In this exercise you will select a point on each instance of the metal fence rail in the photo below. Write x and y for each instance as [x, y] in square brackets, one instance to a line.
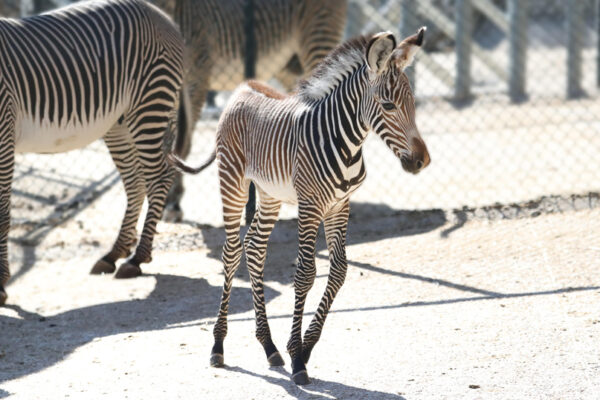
[507, 96]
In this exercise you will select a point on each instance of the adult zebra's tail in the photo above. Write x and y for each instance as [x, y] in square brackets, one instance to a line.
[181, 166]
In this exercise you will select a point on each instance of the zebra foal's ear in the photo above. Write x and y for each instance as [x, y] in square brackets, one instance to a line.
[379, 50]
[404, 54]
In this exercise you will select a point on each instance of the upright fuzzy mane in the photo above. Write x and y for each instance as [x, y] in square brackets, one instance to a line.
[329, 72]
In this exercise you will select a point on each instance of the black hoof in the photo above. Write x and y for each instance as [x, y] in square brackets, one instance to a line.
[3, 296]
[275, 360]
[301, 378]
[217, 360]
[103, 267]
[128, 270]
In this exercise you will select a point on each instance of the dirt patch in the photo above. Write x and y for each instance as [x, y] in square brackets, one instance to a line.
[490, 308]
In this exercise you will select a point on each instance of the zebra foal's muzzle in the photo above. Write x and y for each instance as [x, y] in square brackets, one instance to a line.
[418, 159]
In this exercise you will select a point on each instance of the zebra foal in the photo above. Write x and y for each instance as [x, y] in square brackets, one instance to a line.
[306, 149]
[106, 68]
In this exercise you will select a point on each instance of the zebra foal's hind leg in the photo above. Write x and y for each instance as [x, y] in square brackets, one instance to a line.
[7, 166]
[255, 245]
[124, 154]
[234, 194]
[336, 224]
[7, 163]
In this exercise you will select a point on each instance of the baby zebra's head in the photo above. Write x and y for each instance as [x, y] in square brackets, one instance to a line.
[389, 109]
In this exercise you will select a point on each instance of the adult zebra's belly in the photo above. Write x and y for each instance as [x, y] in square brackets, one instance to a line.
[44, 137]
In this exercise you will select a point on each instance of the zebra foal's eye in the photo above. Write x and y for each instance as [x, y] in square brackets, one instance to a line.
[388, 106]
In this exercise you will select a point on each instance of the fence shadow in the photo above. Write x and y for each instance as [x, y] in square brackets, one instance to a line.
[62, 213]
[49, 340]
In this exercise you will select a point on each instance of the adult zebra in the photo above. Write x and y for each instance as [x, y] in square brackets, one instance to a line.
[292, 36]
[306, 149]
[107, 68]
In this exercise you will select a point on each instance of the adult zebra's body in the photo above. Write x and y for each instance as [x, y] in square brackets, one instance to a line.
[110, 68]
[306, 149]
[292, 37]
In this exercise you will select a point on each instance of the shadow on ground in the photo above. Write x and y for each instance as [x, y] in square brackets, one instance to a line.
[47, 340]
[390, 224]
[318, 389]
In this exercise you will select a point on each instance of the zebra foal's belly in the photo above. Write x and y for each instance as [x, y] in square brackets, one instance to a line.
[282, 191]
[34, 136]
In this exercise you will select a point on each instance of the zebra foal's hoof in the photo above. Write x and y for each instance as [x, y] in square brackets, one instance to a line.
[275, 360]
[217, 360]
[103, 267]
[301, 378]
[128, 270]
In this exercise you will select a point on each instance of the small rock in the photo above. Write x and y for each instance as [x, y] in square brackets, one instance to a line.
[474, 386]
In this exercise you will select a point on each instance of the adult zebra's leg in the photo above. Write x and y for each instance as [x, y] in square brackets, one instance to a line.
[148, 135]
[234, 194]
[336, 224]
[192, 100]
[308, 226]
[7, 163]
[255, 245]
[123, 152]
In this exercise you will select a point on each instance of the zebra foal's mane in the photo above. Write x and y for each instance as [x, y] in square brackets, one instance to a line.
[345, 58]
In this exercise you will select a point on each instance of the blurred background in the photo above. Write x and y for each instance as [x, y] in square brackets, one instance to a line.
[507, 101]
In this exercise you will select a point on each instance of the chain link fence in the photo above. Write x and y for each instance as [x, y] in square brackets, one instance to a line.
[507, 101]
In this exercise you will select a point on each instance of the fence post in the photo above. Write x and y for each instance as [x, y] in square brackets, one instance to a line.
[407, 28]
[517, 15]
[574, 47]
[464, 18]
[249, 73]
[598, 42]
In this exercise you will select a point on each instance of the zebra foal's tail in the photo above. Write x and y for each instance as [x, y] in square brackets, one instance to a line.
[181, 166]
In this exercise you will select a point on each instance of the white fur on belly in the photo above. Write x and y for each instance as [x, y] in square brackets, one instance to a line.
[42, 137]
[282, 191]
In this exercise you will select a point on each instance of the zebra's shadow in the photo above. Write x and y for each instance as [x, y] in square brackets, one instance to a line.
[318, 389]
[383, 223]
[32, 342]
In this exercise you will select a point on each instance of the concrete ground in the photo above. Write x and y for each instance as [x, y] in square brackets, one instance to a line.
[432, 308]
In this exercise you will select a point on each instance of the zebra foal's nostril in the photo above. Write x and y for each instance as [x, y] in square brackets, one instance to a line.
[419, 164]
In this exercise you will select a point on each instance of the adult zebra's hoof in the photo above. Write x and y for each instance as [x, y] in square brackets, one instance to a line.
[128, 270]
[275, 360]
[301, 378]
[217, 360]
[103, 267]
[3, 296]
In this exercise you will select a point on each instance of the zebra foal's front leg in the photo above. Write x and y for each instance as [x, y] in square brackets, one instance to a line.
[255, 245]
[308, 226]
[335, 232]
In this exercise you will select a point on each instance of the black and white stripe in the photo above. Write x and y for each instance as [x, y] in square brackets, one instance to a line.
[111, 69]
